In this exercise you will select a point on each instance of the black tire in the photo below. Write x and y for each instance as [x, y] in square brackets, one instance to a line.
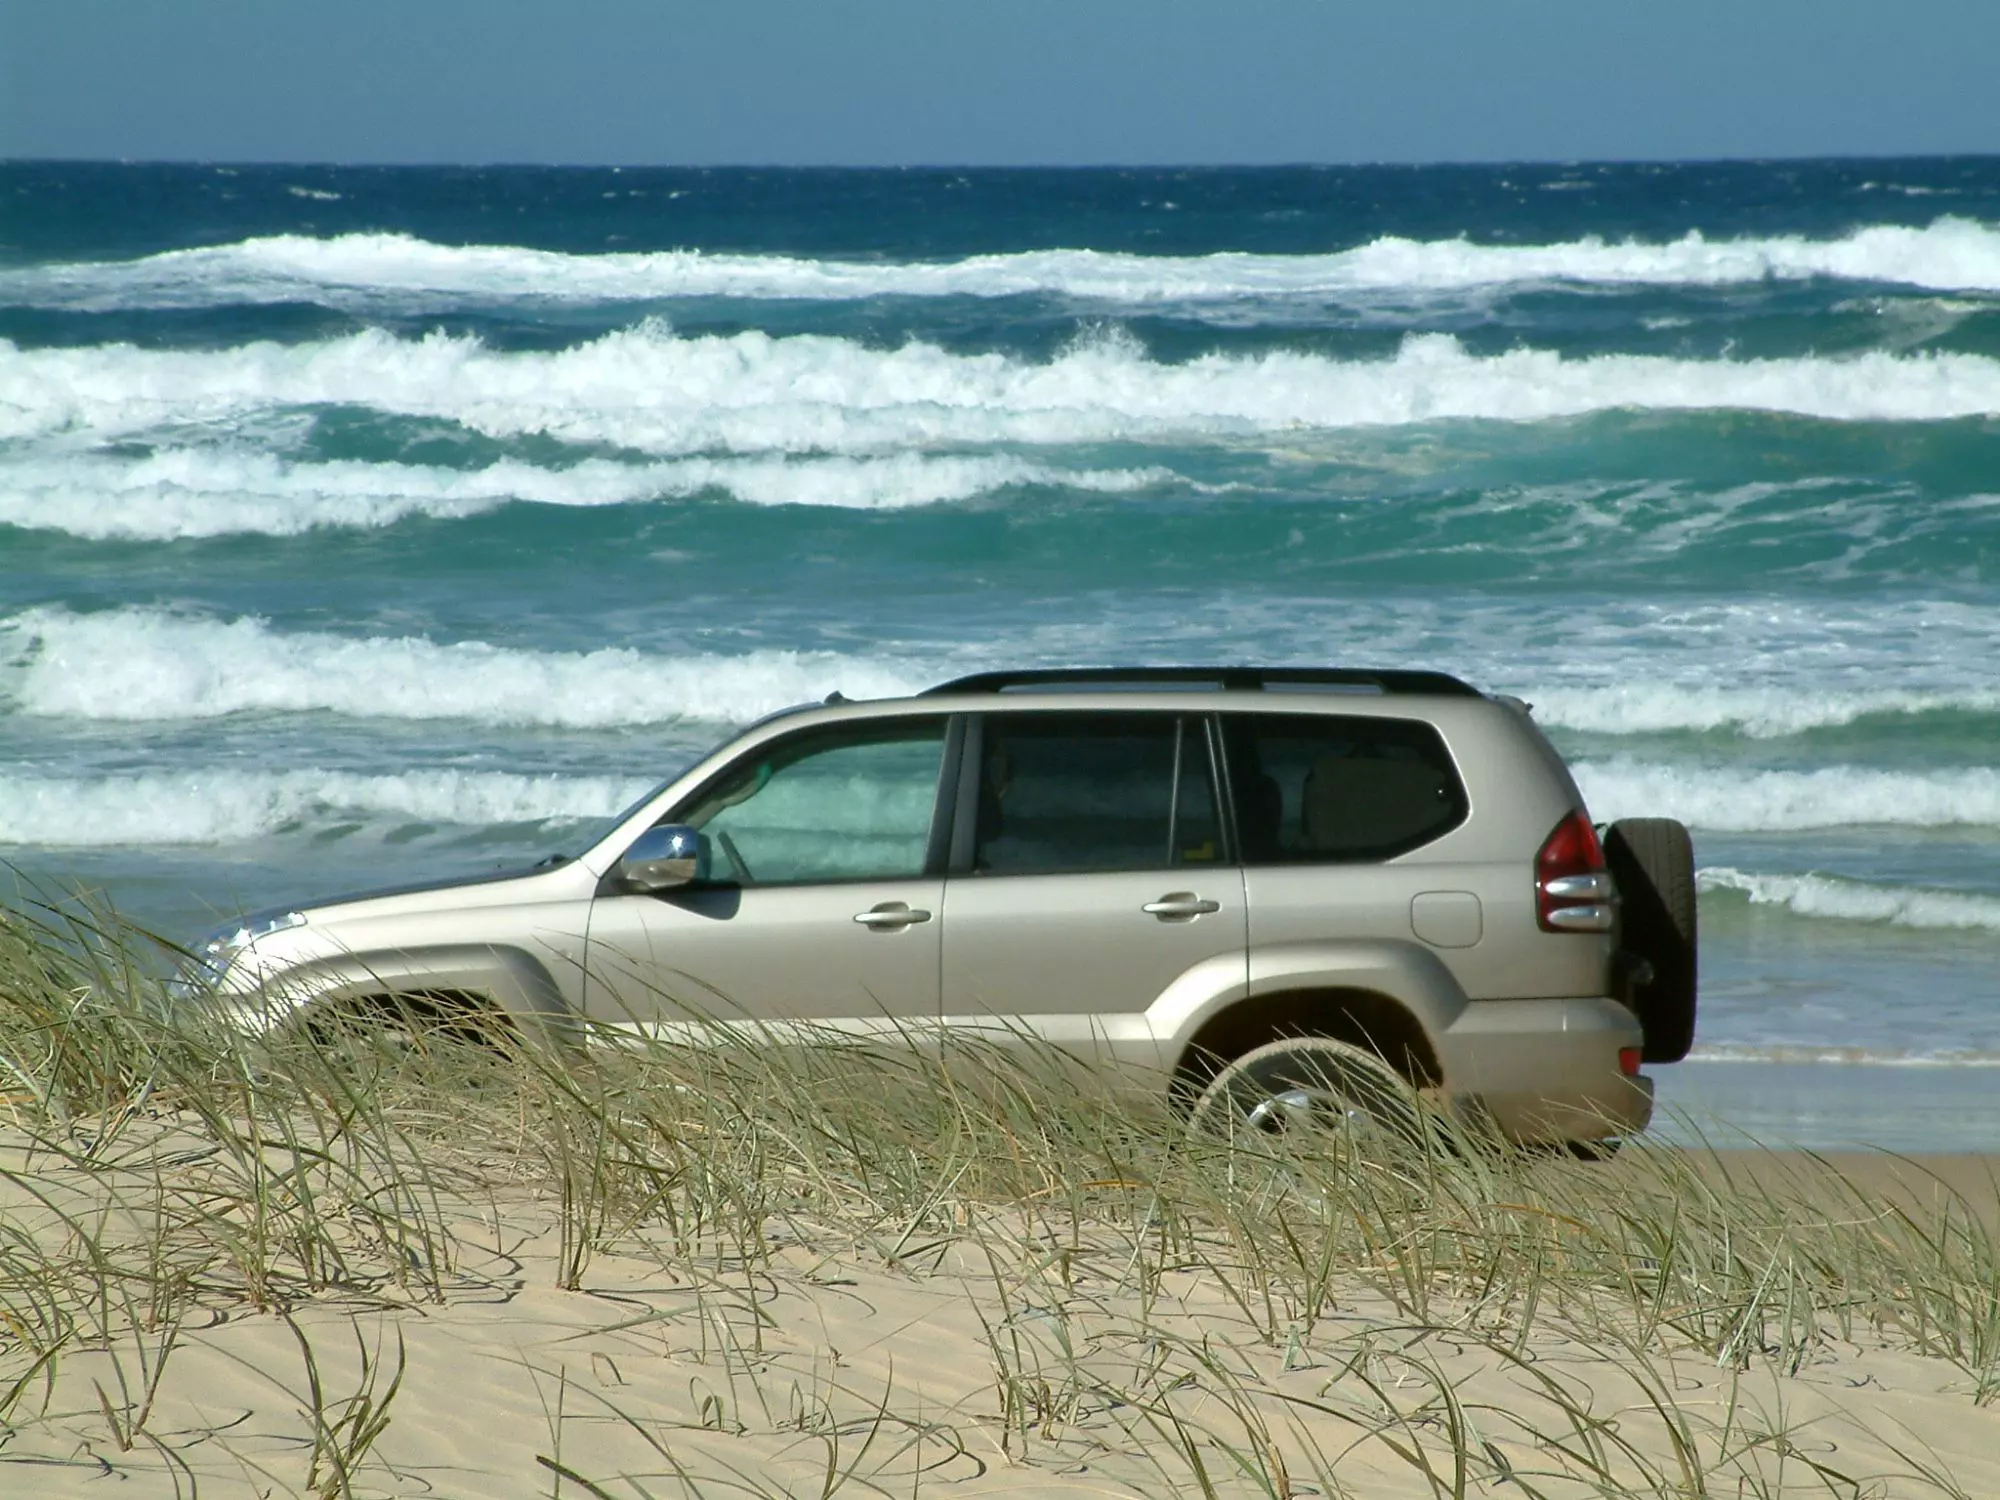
[1652, 862]
[1307, 1082]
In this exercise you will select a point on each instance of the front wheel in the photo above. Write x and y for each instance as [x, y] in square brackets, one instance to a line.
[1306, 1084]
[415, 1023]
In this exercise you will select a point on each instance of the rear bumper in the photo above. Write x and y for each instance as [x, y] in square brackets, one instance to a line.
[1546, 1070]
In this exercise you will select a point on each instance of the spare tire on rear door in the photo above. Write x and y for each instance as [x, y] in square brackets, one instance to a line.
[1652, 862]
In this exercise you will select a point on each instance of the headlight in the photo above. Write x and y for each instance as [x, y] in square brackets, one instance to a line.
[209, 960]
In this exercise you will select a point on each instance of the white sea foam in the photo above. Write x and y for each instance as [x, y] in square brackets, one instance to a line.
[137, 664]
[1829, 897]
[152, 663]
[374, 271]
[1766, 801]
[1761, 711]
[222, 806]
[1761, 666]
[646, 388]
[193, 492]
[1860, 1056]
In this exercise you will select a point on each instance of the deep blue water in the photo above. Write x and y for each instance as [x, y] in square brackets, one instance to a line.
[367, 523]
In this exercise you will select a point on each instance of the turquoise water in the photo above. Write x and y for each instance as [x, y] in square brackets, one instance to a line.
[363, 524]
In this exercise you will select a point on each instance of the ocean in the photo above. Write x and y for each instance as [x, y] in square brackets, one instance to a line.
[360, 525]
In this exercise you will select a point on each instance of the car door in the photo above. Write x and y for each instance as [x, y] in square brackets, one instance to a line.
[821, 898]
[1089, 874]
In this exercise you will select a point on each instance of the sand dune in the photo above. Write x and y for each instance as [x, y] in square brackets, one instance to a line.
[1007, 1350]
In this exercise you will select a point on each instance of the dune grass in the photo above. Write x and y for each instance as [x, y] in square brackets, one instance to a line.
[1176, 1315]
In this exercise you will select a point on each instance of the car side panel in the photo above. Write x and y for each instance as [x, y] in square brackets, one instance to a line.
[1019, 945]
[783, 953]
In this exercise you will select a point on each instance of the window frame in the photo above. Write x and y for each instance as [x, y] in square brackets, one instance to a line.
[972, 753]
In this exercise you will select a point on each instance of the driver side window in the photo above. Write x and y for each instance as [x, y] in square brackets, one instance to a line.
[853, 803]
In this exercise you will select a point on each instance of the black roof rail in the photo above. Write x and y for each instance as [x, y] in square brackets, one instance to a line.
[1390, 680]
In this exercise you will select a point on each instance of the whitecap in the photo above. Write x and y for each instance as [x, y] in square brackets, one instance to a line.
[225, 805]
[400, 271]
[1860, 1055]
[646, 389]
[1759, 710]
[1773, 801]
[1835, 899]
[141, 664]
[230, 488]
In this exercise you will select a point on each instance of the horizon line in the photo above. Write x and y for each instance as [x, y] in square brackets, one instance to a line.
[1378, 164]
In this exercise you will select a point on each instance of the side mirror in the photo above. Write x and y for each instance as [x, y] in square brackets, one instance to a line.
[663, 858]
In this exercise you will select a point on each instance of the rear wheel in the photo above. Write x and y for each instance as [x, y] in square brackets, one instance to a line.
[1652, 862]
[1304, 1084]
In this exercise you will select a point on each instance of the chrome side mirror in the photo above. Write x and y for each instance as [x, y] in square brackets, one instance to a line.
[664, 858]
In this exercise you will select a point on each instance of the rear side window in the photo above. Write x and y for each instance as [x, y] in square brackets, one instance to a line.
[1316, 789]
[1062, 793]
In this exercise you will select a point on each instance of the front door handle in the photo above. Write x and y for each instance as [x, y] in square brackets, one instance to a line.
[891, 916]
[1180, 906]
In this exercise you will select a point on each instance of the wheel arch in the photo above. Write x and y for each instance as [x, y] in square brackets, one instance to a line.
[1366, 1018]
[506, 980]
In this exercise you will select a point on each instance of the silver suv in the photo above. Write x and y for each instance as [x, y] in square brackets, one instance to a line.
[1259, 884]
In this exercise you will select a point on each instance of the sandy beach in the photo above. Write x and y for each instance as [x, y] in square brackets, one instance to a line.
[1088, 1339]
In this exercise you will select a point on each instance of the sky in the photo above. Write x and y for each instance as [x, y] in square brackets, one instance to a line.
[1048, 82]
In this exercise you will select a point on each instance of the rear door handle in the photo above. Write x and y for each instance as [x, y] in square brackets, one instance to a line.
[891, 915]
[1180, 906]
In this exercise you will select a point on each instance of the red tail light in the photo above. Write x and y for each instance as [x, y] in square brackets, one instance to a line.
[1573, 892]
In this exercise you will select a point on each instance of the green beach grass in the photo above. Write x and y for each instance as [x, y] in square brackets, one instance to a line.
[359, 1264]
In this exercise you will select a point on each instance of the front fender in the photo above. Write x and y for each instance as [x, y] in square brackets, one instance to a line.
[509, 978]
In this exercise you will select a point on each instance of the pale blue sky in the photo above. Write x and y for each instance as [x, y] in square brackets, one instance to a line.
[1012, 81]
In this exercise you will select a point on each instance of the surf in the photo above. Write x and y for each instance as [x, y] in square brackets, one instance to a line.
[648, 389]
[134, 665]
[402, 271]
[181, 493]
[1833, 898]
[220, 805]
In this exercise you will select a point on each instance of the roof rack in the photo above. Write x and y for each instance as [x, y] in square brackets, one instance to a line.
[1252, 678]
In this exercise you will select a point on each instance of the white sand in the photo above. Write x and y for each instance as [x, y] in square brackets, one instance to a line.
[1016, 1357]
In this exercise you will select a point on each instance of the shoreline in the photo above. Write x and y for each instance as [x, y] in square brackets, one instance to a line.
[1925, 1111]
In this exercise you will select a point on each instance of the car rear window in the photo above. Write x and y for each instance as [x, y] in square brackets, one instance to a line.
[1326, 789]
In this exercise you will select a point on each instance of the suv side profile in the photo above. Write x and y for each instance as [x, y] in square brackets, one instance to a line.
[1258, 884]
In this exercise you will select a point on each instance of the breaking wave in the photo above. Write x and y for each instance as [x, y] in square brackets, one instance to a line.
[376, 271]
[647, 389]
[138, 664]
[227, 806]
[1830, 897]
[1760, 712]
[199, 492]
[1760, 801]
[1862, 1056]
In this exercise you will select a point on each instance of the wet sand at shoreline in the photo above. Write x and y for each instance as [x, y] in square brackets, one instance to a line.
[1849, 1108]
